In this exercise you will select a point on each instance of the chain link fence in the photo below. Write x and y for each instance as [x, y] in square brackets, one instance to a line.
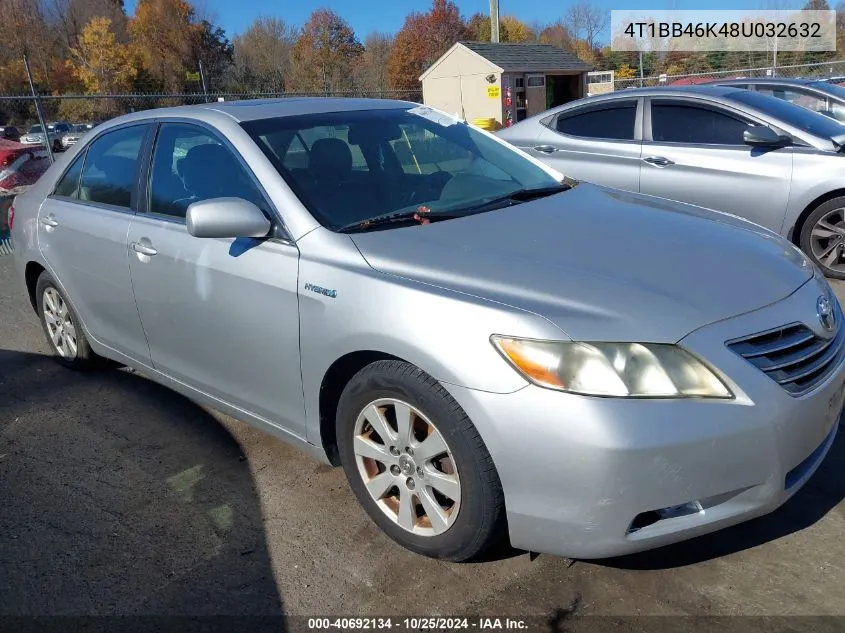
[824, 70]
[19, 110]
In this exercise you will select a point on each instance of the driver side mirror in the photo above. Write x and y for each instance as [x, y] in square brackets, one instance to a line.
[764, 136]
[226, 217]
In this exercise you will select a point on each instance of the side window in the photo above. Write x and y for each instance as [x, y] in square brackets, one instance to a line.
[608, 122]
[68, 186]
[190, 164]
[111, 167]
[673, 122]
[798, 97]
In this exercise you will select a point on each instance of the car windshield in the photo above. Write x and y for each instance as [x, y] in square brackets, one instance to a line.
[35, 129]
[349, 167]
[80, 128]
[800, 118]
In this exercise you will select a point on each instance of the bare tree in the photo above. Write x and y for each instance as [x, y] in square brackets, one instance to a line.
[262, 54]
[586, 21]
[68, 17]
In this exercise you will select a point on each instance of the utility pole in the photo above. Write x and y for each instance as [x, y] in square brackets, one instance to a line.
[494, 20]
[47, 143]
[202, 78]
[641, 69]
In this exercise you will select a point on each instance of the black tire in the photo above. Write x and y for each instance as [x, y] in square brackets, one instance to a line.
[84, 357]
[57, 146]
[806, 234]
[480, 521]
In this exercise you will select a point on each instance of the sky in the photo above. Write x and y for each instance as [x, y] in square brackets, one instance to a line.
[366, 16]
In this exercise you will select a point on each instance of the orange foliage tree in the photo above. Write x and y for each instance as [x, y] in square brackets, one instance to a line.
[165, 35]
[422, 39]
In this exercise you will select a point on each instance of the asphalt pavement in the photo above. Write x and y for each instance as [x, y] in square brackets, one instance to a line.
[120, 497]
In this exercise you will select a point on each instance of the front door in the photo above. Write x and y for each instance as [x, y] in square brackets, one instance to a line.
[695, 153]
[221, 315]
[82, 230]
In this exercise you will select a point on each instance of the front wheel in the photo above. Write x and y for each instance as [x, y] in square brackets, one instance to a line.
[417, 464]
[823, 237]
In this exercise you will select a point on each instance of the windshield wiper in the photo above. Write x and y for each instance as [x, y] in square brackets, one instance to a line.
[520, 195]
[423, 216]
[396, 217]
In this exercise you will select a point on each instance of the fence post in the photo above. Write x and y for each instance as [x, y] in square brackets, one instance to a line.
[47, 143]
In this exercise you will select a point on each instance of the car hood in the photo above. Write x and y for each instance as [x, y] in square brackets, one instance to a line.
[599, 263]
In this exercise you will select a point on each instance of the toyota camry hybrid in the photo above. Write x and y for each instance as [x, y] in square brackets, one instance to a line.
[487, 351]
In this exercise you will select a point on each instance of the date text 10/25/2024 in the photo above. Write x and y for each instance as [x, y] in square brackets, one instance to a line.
[419, 624]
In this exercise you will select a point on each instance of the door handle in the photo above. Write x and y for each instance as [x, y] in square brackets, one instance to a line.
[658, 161]
[546, 149]
[143, 249]
[48, 221]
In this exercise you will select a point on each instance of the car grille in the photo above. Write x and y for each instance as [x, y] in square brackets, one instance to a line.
[793, 355]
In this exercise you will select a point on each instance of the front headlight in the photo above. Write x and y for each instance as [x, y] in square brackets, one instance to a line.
[628, 370]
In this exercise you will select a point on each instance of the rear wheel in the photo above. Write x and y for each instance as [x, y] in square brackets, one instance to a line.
[61, 326]
[417, 464]
[823, 237]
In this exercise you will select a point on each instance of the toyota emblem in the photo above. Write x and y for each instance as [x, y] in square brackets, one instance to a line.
[824, 309]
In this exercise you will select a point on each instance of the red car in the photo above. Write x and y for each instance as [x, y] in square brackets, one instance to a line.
[20, 165]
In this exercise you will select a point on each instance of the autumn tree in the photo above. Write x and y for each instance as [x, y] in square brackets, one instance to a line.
[515, 30]
[409, 56]
[325, 54]
[511, 29]
[262, 54]
[422, 40]
[559, 35]
[372, 73]
[165, 36]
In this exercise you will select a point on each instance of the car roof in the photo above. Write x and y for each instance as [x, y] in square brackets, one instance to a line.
[669, 90]
[255, 109]
[770, 80]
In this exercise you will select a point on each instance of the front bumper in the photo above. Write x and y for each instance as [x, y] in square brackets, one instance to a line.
[585, 477]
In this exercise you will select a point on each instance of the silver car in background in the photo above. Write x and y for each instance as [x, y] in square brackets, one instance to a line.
[397, 292]
[819, 95]
[733, 150]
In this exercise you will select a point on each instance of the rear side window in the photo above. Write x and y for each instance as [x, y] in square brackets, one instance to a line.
[673, 122]
[68, 186]
[614, 122]
[111, 167]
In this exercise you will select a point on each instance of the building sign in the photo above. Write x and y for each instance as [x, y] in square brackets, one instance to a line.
[494, 92]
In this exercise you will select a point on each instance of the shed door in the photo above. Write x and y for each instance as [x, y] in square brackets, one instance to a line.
[535, 94]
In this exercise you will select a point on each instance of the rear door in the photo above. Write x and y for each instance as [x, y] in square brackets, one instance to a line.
[693, 151]
[82, 229]
[597, 143]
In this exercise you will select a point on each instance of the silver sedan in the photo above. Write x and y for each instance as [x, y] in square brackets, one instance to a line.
[724, 148]
[397, 292]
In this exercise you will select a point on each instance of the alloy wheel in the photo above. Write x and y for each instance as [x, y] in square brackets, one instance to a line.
[407, 467]
[60, 326]
[827, 240]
